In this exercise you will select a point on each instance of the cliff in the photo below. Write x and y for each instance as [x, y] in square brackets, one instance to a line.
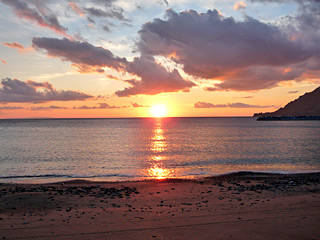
[306, 105]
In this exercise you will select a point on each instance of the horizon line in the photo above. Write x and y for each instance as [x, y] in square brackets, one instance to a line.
[66, 118]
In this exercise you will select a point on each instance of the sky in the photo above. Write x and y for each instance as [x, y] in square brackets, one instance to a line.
[119, 58]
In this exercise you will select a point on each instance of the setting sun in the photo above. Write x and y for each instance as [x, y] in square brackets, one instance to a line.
[158, 111]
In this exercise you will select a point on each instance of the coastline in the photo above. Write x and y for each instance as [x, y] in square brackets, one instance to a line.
[243, 205]
[52, 179]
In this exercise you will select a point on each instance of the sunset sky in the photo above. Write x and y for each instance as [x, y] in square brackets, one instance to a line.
[118, 58]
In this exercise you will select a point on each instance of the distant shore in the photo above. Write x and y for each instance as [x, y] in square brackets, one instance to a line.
[243, 205]
[287, 118]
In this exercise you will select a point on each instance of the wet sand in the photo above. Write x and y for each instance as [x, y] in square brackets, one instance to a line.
[235, 206]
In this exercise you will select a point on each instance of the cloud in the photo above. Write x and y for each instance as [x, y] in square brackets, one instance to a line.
[14, 90]
[89, 58]
[98, 9]
[83, 54]
[106, 28]
[42, 18]
[3, 61]
[104, 9]
[255, 78]
[52, 107]
[201, 41]
[242, 55]
[155, 79]
[136, 105]
[101, 106]
[115, 12]
[239, 5]
[10, 108]
[14, 45]
[246, 55]
[113, 77]
[292, 92]
[90, 20]
[163, 2]
[76, 9]
[228, 105]
[245, 97]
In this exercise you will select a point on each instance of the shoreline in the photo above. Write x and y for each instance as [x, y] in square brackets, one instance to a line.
[53, 179]
[243, 205]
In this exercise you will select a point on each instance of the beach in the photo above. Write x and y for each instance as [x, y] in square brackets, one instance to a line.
[242, 205]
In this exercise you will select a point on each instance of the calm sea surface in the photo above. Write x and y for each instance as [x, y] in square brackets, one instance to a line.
[126, 149]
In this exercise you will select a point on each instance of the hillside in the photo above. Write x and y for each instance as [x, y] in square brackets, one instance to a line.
[306, 105]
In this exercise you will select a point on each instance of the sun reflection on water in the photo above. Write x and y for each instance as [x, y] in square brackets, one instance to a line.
[158, 158]
[158, 146]
[158, 172]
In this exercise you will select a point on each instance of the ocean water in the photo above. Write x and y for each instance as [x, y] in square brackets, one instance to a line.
[47, 150]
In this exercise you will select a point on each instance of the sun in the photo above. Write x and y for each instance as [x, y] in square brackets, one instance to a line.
[158, 111]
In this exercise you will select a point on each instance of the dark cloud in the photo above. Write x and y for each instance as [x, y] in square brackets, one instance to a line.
[14, 90]
[292, 92]
[136, 105]
[228, 105]
[42, 18]
[106, 28]
[83, 54]
[101, 106]
[243, 55]
[213, 40]
[98, 9]
[10, 108]
[90, 20]
[52, 107]
[105, 9]
[306, 25]
[255, 78]
[114, 12]
[152, 78]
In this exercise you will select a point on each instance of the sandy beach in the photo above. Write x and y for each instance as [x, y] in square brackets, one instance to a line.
[235, 206]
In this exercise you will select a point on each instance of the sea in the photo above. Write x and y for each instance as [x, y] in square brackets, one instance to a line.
[53, 150]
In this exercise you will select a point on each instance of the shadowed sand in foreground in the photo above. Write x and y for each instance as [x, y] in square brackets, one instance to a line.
[236, 206]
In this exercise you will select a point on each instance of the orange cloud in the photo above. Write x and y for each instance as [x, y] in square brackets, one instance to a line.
[16, 45]
[75, 8]
[3, 61]
[84, 68]
[112, 77]
[239, 5]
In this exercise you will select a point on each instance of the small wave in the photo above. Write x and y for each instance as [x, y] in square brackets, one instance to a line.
[69, 176]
